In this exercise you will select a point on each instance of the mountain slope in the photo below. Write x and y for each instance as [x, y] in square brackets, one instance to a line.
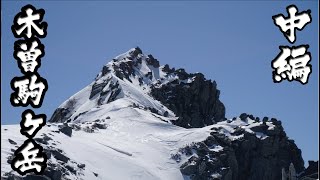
[140, 79]
[140, 120]
[134, 145]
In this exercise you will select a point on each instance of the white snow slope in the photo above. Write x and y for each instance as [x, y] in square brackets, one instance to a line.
[135, 145]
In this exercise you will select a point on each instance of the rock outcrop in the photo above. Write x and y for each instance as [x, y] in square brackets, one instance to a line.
[196, 103]
[243, 155]
[311, 172]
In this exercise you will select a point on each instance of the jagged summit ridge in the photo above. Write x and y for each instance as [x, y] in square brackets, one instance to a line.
[189, 99]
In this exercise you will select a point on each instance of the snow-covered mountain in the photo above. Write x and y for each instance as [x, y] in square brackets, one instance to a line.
[140, 120]
[139, 80]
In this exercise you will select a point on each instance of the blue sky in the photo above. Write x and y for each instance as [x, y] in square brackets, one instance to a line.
[230, 42]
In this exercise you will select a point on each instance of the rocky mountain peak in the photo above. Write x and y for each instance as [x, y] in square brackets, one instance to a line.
[132, 119]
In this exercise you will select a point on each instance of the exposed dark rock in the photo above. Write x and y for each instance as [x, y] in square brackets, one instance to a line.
[41, 140]
[140, 81]
[153, 110]
[261, 128]
[12, 142]
[136, 52]
[71, 169]
[265, 119]
[9, 176]
[222, 139]
[189, 169]
[81, 166]
[65, 129]
[257, 119]
[47, 152]
[149, 75]
[183, 75]
[99, 126]
[210, 141]
[80, 114]
[105, 70]
[243, 116]
[251, 117]
[97, 88]
[55, 171]
[187, 150]
[238, 131]
[56, 175]
[247, 158]
[166, 114]
[312, 171]
[9, 159]
[196, 106]
[176, 157]
[167, 69]
[64, 166]
[114, 95]
[60, 115]
[59, 156]
[152, 61]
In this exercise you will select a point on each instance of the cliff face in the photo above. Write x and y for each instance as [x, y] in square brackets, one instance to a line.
[196, 104]
[243, 155]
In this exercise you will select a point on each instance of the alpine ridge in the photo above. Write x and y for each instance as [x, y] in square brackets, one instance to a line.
[141, 80]
[141, 120]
